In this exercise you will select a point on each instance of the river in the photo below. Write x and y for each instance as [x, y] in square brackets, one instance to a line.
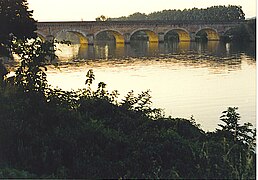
[185, 79]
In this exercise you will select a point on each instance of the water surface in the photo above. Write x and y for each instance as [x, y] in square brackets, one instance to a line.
[185, 79]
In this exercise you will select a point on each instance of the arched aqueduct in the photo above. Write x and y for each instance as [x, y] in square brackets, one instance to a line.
[122, 31]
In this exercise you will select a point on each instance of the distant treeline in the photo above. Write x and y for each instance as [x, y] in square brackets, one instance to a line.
[214, 13]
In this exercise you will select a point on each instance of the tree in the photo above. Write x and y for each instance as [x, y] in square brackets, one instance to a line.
[16, 22]
[30, 76]
[101, 18]
[137, 16]
[243, 133]
[239, 144]
[231, 119]
[213, 13]
[3, 73]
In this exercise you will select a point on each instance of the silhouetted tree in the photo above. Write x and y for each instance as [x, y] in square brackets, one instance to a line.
[16, 21]
[101, 18]
[3, 73]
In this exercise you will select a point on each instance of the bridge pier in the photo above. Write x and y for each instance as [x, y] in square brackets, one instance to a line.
[161, 37]
[192, 36]
[50, 38]
[90, 38]
[127, 38]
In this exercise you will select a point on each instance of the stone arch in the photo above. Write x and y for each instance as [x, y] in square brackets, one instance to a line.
[183, 34]
[212, 34]
[153, 37]
[228, 31]
[81, 35]
[117, 35]
[228, 34]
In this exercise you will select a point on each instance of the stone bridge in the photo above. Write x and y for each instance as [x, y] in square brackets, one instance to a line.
[156, 31]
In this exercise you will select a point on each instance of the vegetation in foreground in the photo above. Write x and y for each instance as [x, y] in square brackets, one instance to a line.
[50, 133]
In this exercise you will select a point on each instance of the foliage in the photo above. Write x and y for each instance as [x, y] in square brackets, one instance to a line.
[14, 173]
[210, 14]
[244, 32]
[16, 22]
[235, 144]
[101, 18]
[243, 133]
[34, 54]
[138, 16]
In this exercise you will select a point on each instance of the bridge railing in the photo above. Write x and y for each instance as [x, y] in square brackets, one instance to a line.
[146, 22]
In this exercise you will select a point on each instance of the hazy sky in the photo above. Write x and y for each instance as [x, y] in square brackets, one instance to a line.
[59, 10]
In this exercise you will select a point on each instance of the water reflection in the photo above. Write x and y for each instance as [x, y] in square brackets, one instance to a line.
[185, 78]
[182, 87]
[111, 50]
